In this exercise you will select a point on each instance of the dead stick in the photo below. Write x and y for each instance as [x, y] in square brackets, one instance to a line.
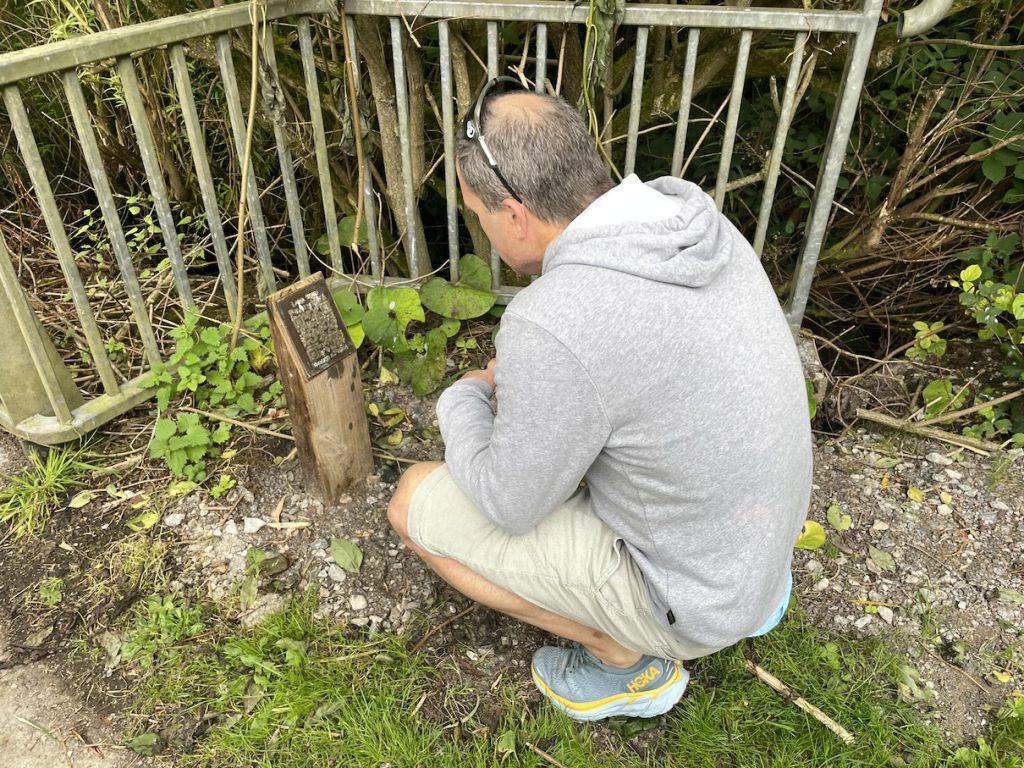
[242, 424]
[982, 447]
[423, 640]
[777, 685]
[546, 756]
[968, 411]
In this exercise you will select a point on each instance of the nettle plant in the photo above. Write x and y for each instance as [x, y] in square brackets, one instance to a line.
[991, 294]
[395, 320]
[204, 369]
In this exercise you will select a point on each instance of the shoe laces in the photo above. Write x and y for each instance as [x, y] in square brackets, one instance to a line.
[575, 658]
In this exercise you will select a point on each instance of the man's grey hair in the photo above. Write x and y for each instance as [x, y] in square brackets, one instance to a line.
[545, 152]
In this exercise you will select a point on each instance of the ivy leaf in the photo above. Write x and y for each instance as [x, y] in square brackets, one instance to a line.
[812, 536]
[838, 519]
[346, 554]
[881, 558]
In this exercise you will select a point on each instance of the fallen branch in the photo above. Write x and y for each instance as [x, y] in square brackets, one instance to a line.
[973, 409]
[235, 422]
[777, 685]
[423, 640]
[981, 447]
[546, 756]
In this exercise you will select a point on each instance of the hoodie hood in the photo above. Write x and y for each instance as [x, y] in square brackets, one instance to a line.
[689, 247]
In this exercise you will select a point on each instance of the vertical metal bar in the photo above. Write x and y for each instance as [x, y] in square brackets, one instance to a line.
[274, 97]
[636, 100]
[369, 203]
[101, 185]
[59, 236]
[402, 105]
[197, 142]
[685, 97]
[448, 130]
[237, 123]
[492, 71]
[828, 176]
[316, 117]
[781, 131]
[735, 102]
[542, 58]
[26, 323]
[155, 176]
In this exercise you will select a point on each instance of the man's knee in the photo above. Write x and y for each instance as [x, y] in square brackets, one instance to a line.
[398, 508]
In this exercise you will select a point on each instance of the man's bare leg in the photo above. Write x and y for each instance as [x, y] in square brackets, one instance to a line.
[476, 587]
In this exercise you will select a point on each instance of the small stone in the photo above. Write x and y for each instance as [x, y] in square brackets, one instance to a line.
[1000, 506]
[952, 473]
[360, 621]
[863, 621]
[230, 528]
[944, 509]
[938, 458]
[885, 613]
[880, 525]
[357, 602]
[812, 566]
[334, 573]
[821, 585]
[252, 524]
[174, 519]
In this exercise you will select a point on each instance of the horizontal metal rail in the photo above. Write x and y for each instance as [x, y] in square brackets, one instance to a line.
[115, 43]
[716, 17]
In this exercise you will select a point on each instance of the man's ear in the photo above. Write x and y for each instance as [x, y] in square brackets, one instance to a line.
[518, 216]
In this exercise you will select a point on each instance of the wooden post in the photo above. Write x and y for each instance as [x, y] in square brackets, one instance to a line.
[318, 367]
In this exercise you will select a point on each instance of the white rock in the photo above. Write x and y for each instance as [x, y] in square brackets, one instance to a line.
[885, 613]
[954, 474]
[944, 509]
[174, 519]
[812, 566]
[940, 459]
[357, 602]
[863, 621]
[820, 585]
[334, 573]
[880, 525]
[1000, 505]
[252, 524]
[360, 621]
[230, 528]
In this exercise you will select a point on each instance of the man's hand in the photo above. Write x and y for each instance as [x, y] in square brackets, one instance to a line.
[486, 374]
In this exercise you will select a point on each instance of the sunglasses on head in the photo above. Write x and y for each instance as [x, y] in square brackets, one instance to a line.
[473, 130]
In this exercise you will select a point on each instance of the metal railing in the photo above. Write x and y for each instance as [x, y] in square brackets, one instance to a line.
[39, 400]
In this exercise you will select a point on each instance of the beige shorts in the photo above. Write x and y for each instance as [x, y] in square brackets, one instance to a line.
[572, 564]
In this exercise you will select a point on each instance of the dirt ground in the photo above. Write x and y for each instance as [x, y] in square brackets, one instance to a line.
[925, 548]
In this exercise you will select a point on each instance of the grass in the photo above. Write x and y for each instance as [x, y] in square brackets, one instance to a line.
[297, 692]
[29, 497]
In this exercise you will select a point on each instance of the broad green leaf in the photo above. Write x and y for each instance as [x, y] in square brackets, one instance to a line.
[450, 326]
[383, 330]
[143, 522]
[348, 305]
[356, 334]
[837, 518]
[1011, 596]
[458, 301]
[146, 744]
[887, 462]
[81, 499]
[945, 497]
[210, 336]
[915, 494]
[180, 488]
[474, 272]
[993, 169]
[401, 303]
[812, 536]
[347, 230]
[881, 558]
[346, 554]
[971, 273]
[394, 438]
[164, 429]
[1017, 308]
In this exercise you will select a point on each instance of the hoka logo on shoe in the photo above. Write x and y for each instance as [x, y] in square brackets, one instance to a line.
[641, 681]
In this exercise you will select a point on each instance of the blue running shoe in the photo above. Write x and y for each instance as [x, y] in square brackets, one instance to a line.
[585, 689]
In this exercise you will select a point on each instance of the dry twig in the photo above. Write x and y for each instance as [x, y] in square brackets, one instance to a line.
[777, 685]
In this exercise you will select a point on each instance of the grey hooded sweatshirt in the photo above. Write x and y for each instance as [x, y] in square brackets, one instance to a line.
[652, 360]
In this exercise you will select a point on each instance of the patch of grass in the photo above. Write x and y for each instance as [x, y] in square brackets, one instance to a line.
[136, 564]
[28, 498]
[297, 692]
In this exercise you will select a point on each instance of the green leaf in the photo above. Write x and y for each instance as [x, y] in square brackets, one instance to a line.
[838, 519]
[1011, 596]
[347, 230]
[915, 494]
[143, 522]
[450, 326]
[403, 304]
[474, 272]
[812, 536]
[458, 301]
[348, 305]
[210, 336]
[164, 429]
[505, 744]
[971, 273]
[346, 554]
[993, 169]
[887, 462]
[881, 558]
[812, 405]
[356, 334]
[81, 499]
[181, 488]
[1017, 308]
